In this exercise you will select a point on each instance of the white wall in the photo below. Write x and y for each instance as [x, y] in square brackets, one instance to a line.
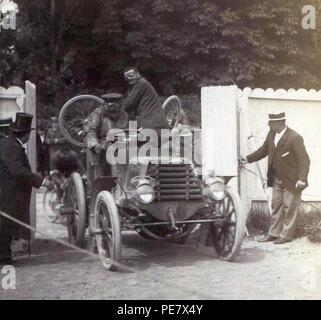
[220, 146]
[303, 112]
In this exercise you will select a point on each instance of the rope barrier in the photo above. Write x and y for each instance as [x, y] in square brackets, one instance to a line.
[121, 265]
[97, 257]
[265, 181]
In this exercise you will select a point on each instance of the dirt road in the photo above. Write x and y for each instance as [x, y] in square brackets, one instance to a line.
[169, 271]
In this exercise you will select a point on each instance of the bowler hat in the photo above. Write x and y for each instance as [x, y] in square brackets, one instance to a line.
[5, 122]
[277, 116]
[22, 123]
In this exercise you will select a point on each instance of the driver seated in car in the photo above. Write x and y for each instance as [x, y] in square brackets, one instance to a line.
[109, 115]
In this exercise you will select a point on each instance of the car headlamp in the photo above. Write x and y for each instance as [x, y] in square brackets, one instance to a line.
[216, 189]
[144, 189]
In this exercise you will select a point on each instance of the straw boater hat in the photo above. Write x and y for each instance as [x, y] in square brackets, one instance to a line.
[277, 117]
[22, 123]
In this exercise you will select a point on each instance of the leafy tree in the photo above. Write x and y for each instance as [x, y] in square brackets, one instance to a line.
[187, 44]
[68, 47]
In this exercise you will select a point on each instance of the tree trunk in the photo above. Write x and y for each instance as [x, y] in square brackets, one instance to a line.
[53, 51]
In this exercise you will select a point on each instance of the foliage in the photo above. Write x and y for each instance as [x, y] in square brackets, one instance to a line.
[179, 45]
[308, 221]
[259, 218]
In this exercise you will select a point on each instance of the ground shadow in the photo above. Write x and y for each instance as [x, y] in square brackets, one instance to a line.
[49, 252]
[137, 253]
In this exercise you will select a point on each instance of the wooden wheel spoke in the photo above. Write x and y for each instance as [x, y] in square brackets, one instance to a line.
[70, 126]
[231, 236]
[223, 241]
[227, 219]
[102, 220]
[226, 234]
[73, 115]
[231, 224]
[92, 105]
[67, 118]
[227, 237]
[230, 205]
[109, 238]
[73, 126]
[76, 111]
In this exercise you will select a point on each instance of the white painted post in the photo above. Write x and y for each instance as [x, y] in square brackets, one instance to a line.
[219, 130]
[244, 150]
[30, 107]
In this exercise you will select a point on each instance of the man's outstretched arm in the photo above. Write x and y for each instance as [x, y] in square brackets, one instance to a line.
[260, 153]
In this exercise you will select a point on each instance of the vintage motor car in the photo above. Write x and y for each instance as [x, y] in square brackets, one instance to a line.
[161, 198]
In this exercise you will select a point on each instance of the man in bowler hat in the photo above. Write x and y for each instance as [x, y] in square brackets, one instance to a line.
[288, 168]
[16, 182]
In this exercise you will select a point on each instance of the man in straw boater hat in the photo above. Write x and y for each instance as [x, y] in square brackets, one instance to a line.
[16, 182]
[288, 167]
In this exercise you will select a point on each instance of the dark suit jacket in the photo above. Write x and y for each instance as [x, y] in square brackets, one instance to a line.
[143, 101]
[291, 159]
[42, 154]
[16, 181]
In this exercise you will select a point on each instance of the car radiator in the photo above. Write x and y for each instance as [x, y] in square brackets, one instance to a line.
[175, 182]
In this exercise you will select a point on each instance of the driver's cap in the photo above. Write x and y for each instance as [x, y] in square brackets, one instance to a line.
[112, 97]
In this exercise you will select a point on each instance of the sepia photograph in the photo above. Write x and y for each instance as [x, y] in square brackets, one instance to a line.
[160, 150]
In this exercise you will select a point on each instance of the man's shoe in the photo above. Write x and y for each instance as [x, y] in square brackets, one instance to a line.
[267, 238]
[281, 241]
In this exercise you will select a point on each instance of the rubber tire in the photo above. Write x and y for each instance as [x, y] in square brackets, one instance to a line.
[65, 107]
[167, 101]
[107, 198]
[81, 199]
[240, 218]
